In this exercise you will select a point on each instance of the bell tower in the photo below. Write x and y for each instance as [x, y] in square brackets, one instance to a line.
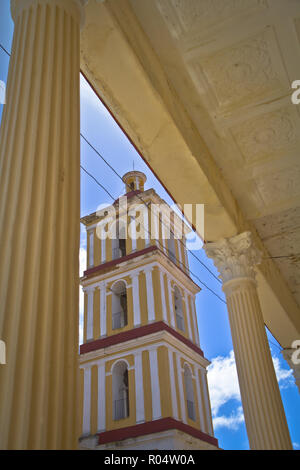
[142, 371]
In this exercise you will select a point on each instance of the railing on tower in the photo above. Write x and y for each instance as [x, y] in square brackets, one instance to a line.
[121, 409]
[191, 410]
[116, 253]
[180, 322]
[118, 320]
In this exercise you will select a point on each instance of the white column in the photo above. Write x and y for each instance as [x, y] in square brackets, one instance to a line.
[39, 220]
[164, 235]
[91, 248]
[90, 313]
[139, 388]
[206, 401]
[86, 424]
[101, 398]
[155, 223]
[172, 313]
[146, 225]
[194, 317]
[155, 387]
[200, 403]
[265, 420]
[188, 315]
[136, 299]
[178, 241]
[103, 320]
[133, 231]
[150, 296]
[163, 296]
[173, 385]
[103, 250]
[180, 385]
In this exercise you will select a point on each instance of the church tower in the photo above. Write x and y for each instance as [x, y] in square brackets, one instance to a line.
[142, 371]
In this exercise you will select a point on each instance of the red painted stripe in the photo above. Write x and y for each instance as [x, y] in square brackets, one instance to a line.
[113, 262]
[133, 144]
[136, 333]
[151, 427]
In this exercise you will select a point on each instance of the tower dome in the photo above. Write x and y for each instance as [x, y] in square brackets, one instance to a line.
[134, 181]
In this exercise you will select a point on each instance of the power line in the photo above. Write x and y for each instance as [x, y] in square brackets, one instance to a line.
[120, 177]
[113, 198]
[6, 52]
[96, 181]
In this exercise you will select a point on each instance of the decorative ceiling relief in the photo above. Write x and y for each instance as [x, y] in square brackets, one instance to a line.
[244, 73]
[186, 16]
[279, 185]
[268, 134]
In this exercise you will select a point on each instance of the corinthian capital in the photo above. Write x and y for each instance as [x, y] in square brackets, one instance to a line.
[234, 257]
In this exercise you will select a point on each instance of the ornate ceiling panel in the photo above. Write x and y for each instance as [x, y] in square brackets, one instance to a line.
[268, 134]
[232, 63]
[244, 72]
[184, 17]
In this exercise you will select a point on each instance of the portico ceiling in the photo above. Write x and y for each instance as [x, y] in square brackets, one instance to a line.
[203, 89]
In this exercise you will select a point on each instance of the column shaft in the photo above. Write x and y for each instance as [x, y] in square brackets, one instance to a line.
[266, 424]
[39, 240]
[136, 299]
[103, 319]
[155, 387]
[263, 409]
[139, 388]
[101, 398]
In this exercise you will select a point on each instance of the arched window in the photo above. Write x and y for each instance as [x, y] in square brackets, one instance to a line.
[119, 242]
[119, 305]
[189, 393]
[178, 309]
[120, 391]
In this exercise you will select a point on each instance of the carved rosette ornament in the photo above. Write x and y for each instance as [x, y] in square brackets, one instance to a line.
[234, 257]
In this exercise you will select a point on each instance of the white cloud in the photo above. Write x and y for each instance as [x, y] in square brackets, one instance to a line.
[224, 386]
[232, 422]
[296, 445]
[223, 382]
[284, 376]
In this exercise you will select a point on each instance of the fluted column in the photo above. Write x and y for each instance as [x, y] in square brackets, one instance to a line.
[39, 220]
[265, 420]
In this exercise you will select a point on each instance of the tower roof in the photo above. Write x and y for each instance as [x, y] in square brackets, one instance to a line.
[134, 181]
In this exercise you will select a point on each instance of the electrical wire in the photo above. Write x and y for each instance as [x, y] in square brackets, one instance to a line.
[120, 177]
[3, 48]
[193, 274]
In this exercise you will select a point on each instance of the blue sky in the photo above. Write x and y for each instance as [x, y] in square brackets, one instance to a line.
[100, 129]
